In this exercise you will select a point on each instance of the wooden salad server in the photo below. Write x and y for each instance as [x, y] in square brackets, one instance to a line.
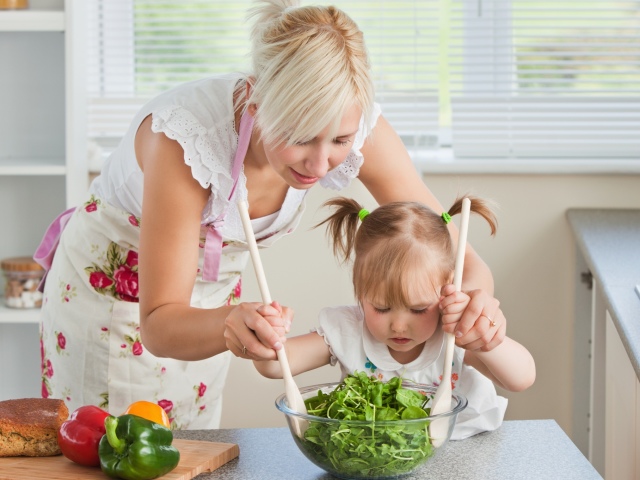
[442, 399]
[292, 392]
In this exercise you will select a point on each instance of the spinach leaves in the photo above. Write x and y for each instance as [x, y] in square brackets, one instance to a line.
[368, 449]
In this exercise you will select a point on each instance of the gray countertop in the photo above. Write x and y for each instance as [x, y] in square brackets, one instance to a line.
[518, 450]
[609, 240]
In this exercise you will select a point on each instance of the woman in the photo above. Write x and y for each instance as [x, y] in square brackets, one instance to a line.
[304, 115]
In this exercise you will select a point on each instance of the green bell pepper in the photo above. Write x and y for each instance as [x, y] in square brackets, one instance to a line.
[135, 448]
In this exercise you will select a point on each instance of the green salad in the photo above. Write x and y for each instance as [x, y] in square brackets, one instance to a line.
[375, 450]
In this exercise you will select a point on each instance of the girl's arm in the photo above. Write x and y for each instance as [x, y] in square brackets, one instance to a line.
[168, 261]
[509, 365]
[389, 175]
[488, 349]
[304, 353]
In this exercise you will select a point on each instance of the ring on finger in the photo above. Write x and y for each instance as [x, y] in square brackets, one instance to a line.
[491, 321]
[244, 350]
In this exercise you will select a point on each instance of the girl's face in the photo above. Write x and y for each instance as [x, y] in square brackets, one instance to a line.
[302, 165]
[403, 329]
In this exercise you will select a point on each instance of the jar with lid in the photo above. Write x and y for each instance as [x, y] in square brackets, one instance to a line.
[22, 276]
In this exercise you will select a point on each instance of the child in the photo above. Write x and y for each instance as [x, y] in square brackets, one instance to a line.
[403, 263]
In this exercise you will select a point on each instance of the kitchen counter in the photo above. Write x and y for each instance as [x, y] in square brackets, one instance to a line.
[609, 240]
[519, 450]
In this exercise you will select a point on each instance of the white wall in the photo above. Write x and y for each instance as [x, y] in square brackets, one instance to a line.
[532, 258]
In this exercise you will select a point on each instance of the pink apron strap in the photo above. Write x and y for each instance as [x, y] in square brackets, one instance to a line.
[213, 241]
[47, 248]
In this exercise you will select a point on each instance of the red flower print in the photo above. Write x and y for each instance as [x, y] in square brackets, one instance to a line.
[137, 348]
[62, 342]
[167, 405]
[134, 221]
[203, 407]
[126, 283]
[99, 280]
[92, 207]
[44, 392]
[104, 329]
[124, 345]
[237, 291]
[132, 258]
[49, 369]
[201, 389]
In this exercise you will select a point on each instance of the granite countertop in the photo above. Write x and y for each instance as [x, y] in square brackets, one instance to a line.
[518, 450]
[609, 240]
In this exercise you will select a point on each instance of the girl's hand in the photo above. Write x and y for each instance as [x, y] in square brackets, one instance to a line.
[480, 326]
[254, 330]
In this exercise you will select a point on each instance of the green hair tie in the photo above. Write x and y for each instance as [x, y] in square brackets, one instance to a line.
[446, 217]
[363, 213]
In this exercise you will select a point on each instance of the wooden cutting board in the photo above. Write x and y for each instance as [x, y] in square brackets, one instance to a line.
[195, 457]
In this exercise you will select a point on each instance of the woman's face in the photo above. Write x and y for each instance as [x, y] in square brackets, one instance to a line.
[403, 329]
[302, 165]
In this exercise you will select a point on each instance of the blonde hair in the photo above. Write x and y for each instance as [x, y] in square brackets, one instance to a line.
[309, 66]
[396, 245]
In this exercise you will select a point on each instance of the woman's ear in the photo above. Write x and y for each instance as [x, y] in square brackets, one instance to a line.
[251, 107]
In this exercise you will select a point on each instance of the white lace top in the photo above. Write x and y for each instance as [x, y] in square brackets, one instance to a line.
[354, 348]
[199, 115]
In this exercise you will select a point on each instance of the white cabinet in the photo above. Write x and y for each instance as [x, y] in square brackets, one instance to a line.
[622, 411]
[42, 154]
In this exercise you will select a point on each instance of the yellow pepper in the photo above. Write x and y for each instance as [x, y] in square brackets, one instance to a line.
[150, 411]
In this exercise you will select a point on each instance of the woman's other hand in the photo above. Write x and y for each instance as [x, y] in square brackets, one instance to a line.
[474, 318]
[254, 330]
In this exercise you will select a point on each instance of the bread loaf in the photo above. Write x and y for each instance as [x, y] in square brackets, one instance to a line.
[29, 426]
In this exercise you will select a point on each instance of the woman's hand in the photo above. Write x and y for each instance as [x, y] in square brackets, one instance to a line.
[254, 330]
[473, 317]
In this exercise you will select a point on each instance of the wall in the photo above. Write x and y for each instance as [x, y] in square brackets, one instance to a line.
[532, 258]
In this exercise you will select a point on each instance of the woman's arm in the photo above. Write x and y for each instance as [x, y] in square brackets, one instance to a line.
[168, 261]
[304, 353]
[390, 176]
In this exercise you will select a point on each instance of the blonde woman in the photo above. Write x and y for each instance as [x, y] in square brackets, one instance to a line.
[403, 264]
[142, 299]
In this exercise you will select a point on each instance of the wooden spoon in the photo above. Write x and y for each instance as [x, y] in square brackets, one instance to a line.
[292, 392]
[442, 399]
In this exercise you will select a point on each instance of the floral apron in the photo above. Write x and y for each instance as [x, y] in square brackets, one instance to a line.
[90, 329]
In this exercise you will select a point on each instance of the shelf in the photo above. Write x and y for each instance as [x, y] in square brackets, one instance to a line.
[18, 315]
[32, 166]
[32, 21]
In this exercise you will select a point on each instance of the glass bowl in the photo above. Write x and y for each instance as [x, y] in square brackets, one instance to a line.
[354, 449]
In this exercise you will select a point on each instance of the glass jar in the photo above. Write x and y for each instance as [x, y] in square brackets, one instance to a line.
[22, 276]
[14, 4]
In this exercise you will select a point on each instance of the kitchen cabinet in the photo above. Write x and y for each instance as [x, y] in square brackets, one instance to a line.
[606, 405]
[42, 155]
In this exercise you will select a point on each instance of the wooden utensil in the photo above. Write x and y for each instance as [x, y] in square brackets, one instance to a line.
[442, 399]
[294, 398]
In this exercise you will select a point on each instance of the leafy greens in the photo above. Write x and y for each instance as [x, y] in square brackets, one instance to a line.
[374, 449]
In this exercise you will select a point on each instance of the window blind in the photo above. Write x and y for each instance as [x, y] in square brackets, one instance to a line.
[545, 79]
[467, 80]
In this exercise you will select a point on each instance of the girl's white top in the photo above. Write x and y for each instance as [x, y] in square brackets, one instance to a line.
[354, 349]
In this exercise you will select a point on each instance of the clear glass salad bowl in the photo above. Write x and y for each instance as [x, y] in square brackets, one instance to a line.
[360, 448]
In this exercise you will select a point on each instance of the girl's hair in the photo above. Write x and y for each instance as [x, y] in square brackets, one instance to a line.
[310, 65]
[396, 245]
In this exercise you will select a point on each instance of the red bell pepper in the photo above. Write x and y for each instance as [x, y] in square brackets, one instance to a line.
[80, 435]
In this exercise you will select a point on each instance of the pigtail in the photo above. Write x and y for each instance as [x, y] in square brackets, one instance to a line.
[342, 226]
[478, 205]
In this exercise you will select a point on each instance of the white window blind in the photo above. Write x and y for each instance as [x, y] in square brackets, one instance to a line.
[545, 79]
[462, 80]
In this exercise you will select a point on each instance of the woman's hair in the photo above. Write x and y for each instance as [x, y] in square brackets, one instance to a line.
[310, 65]
[396, 245]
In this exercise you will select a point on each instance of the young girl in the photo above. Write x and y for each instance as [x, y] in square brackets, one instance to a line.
[403, 263]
